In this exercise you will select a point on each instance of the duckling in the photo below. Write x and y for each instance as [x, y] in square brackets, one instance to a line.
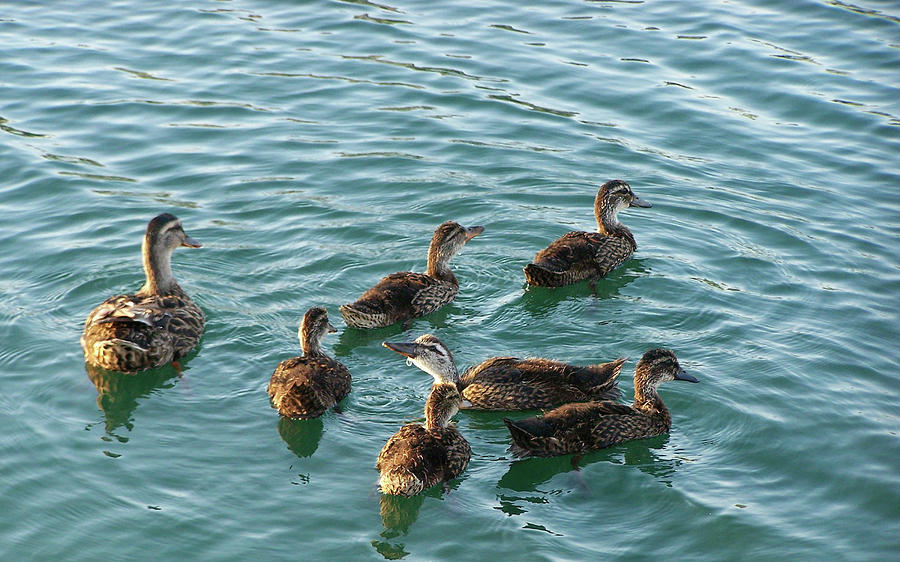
[407, 295]
[510, 383]
[576, 428]
[155, 326]
[305, 387]
[419, 456]
[589, 255]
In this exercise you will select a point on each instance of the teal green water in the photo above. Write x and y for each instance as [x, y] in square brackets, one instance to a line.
[313, 147]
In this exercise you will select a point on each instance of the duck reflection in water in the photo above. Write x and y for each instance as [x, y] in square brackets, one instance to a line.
[650, 456]
[118, 394]
[399, 513]
[301, 436]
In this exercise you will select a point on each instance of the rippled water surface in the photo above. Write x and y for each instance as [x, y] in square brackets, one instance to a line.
[313, 147]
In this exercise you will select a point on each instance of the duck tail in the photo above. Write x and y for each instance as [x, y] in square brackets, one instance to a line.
[607, 387]
[540, 276]
[523, 441]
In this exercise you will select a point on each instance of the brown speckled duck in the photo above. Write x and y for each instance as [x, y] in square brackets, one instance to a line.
[577, 255]
[400, 297]
[510, 383]
[581, 427]
[305, 387]
[419, 456]
[155, 326]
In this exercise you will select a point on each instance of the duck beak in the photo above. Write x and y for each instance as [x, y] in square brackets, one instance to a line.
[331, 328]
[190, 242]
[682, 375]
[405, 349]
[638, 202]
[473, 231]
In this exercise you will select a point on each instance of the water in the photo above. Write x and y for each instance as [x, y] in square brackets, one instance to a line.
[314, 147]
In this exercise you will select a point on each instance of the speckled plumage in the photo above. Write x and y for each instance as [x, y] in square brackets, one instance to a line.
[510, 383]
[578, 255]
[581, 427]
[306, 386]
[406, 295]
[420, 456]
[155, 326]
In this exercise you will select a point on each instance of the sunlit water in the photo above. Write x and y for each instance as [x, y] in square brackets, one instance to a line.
[313, 148]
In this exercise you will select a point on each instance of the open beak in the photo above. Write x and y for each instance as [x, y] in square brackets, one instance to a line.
[331, 328]
[190, 242]
[638, 202]
[681, 375]
[405, 349]
[473, 231]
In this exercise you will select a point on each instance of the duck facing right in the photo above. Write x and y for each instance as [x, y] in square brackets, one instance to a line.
[578, 255]
[581, 427]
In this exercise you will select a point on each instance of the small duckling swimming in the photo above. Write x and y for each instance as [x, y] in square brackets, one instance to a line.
[589, 255]
[406, 295]
[576, 428]
[305, 387]
[419, 456]
[155, 326]
[510, 383]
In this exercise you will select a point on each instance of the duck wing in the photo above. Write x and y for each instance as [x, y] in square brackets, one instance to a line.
[397, 297]
[577, 256]
[510, 383]
[575, 428]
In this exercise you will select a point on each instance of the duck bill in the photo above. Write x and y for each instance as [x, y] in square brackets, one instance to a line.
[682, 375]
[638, 202]
[405, 349]
[190, 242]
[331, 328]
[473, 231]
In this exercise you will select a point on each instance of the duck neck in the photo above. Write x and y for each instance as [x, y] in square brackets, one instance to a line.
[158, 270]
[608, 224]
[311, 344]
[439, 265]
[442, 404]
[647, 400]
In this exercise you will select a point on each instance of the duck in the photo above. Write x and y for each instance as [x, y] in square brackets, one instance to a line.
[307, 386]
[510, 383]
[401, 297]
[155, 326]
[419, 456]
[585, 426]
[577, 255]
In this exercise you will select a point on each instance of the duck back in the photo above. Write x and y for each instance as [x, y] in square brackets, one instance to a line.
[415, 459]
[306, 387]
[577, 256]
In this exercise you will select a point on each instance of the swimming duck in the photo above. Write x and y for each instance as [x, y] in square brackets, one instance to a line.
[407, 295]
[589, 255]
[510, 383]
[580, 427]
[155, 326]
[305, 387]
[419, 456]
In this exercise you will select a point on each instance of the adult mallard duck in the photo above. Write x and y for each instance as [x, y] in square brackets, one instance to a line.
[306, 386]
[510, 383]
[576, 428]
[407, 295]
[419, 456]
[155, 326]
[589, 255]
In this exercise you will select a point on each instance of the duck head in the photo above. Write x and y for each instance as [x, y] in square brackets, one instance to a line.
[312, 330]
[448, 240]
[164, 234]
[612, 197]
[430, 354]
[656, 367]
